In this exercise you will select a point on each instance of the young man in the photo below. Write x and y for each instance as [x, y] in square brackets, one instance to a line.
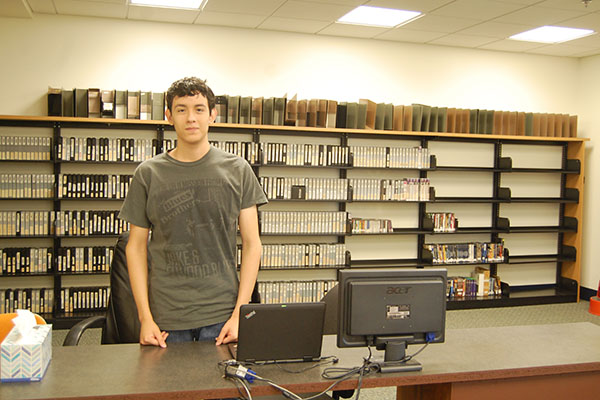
[191, 198]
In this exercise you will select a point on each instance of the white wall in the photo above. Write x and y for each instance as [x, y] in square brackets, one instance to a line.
[88, 52]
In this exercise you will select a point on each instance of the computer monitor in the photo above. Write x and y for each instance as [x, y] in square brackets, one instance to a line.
[391, 308]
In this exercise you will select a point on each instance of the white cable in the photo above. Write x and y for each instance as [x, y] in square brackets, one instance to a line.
[246, 388]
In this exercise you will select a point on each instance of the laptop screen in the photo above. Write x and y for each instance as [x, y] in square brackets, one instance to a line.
[280, 332]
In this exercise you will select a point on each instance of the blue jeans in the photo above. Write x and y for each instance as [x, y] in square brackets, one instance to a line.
[204, 333]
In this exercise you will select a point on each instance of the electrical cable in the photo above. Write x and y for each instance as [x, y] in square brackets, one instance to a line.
[345, 373]
[246, 388]
[324, 361]
[294, 396]
[242, 374]
[417, 352]
[340, 372]
[408, 357]
[235, 378]
[320, 361]
[366, 362]
[287, 393]
[240, 382]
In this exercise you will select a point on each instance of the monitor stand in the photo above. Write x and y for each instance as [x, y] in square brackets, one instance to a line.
[396, 366]
[395, 351]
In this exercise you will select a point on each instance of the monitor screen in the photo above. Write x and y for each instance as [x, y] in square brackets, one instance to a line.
[391, 308]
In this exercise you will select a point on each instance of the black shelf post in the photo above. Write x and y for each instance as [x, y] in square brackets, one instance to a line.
[57, 242]
[343, 174]
[499, 163]
[424, 223]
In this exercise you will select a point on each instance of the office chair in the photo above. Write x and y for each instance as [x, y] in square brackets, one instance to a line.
[331, 311]
[6, 323]
[120, 324]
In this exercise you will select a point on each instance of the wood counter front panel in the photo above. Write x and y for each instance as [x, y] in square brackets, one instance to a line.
[585, 385]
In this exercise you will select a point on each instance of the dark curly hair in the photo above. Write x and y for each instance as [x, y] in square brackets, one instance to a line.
[190, 87]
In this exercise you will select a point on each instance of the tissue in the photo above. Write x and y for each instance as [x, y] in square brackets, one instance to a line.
[24, 324]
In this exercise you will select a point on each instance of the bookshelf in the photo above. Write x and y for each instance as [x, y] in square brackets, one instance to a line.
[499, 194]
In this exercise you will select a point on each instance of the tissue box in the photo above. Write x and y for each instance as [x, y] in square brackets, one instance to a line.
[29, 361]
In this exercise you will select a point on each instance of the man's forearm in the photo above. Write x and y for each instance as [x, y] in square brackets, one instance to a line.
[137, 266]
[248, 271]
[251, 249]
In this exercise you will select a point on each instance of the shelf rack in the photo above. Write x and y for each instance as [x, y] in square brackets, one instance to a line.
[569, 229]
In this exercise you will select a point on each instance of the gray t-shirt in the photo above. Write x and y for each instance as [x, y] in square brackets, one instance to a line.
[192, 209]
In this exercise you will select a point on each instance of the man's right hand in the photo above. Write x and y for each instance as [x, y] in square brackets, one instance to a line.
[150, 334]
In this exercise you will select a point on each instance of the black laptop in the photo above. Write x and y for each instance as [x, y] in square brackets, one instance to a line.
[280, 332]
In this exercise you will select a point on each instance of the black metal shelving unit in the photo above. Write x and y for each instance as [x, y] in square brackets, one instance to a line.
[566, 257]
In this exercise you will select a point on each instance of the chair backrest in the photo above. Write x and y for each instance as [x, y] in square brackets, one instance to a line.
[331, 311]
[6, 323]
[122, 323]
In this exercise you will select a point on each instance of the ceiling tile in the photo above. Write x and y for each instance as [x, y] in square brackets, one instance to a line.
[351, 30]
[229, 19]
[478, 9]
[91, 8]
[413, 5]
[314, 11]
[123, 2]
[162, 14]
[15, 9]
[496, 29]
[353, 3]
[521, 2]
[253, 7]
[560, 50]
[461, 40]
[42, 6]
[588, 41]
[437, 23]
[409, 35]
[576, 5]
[589, 21]
[538, 16]
[587, 53]
[511, 45]
[293, 25]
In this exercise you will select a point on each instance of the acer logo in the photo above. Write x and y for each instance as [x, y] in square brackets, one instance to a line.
[397, 290]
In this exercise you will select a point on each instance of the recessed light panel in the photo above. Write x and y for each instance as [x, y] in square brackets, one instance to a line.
[378, 16]
[187, 4]
[552, 34]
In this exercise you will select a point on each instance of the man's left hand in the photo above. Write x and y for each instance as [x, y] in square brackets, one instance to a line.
[229, 332]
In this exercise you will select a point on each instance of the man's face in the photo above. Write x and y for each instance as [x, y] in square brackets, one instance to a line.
[191, 118]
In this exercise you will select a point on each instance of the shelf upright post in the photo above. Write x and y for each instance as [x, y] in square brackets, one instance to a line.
[495, 205]
[256, 139]
[422, 211]
[160, 137]
[343, 173]
[57, 243]
[256, 166]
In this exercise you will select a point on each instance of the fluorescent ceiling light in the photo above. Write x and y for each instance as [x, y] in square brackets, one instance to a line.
[187, 4]
[552, 34]
[378, 16]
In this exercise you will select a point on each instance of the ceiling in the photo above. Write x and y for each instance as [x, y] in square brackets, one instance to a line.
[480, 24]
